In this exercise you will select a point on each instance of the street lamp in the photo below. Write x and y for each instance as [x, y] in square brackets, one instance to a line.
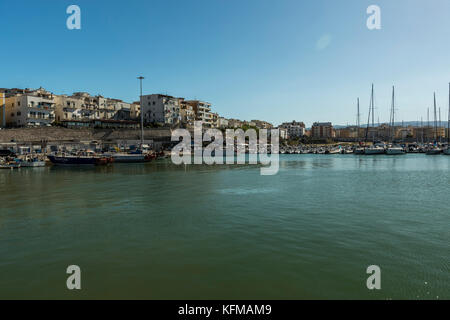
[142, 112]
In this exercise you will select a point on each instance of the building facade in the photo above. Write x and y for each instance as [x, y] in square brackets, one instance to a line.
[30, 108]
[160, 108]
[322, 130]
[294, 129]
[203, 113]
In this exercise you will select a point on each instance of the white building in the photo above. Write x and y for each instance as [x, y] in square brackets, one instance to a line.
[160, 108]
[203, 113]
[30, 108]
[294, 129]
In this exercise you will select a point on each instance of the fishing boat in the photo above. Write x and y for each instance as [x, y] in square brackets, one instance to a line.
[334, 151]
[32, 162]
[9, 164]
[131, 157]
[82, 158]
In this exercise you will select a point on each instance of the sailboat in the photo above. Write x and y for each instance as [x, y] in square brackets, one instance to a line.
[393, 149]
[358, 150]
[141, 154]
[375, 149]
[434, 150]
[447, 150]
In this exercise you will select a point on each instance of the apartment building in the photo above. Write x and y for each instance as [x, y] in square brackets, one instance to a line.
[160, 108]
[27, 107]
[235, 123]
[262, 124]
[294, 129]
[222, 123]
[2, 109]
[187, 113]
[322, 130]
[203, 113]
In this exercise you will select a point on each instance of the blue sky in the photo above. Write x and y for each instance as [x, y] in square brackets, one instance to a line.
[252, 59]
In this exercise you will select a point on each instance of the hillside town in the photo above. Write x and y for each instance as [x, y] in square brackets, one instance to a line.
[41, 108]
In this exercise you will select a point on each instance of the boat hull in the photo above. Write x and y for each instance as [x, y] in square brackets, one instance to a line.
[10, 166]
[131, 158]
[394, 151]
[73, 160]
[374, 151]
[33, 164]
[447, 152]
[433, 152]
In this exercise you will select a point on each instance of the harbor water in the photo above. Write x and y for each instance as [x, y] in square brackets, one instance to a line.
[160, 231]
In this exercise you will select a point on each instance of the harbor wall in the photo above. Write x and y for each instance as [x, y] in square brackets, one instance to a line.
[62, 135]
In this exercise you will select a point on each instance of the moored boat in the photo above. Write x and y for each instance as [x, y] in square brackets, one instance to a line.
[374, 150]
[433, 151]
[9, 165]
[131, 158]
[32, 164]
[84, 158]
[395, 150]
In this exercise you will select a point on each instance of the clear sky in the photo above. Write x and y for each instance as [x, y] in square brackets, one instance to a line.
[274, 60]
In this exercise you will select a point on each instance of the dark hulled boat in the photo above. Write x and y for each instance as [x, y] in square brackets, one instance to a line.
[80, 159]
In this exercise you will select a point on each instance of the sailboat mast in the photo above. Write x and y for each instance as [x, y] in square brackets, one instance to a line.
[357, 120]
[435, 118]
[448, 122]
[373, 114]
[368, 118]
[393, 114]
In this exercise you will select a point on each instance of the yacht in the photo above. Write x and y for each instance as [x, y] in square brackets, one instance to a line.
[376, 149]
[394, 150]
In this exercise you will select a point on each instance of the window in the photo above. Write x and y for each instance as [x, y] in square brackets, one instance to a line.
[12, 114]
[19, 113]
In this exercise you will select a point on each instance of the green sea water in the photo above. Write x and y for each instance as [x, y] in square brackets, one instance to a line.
[160, 231]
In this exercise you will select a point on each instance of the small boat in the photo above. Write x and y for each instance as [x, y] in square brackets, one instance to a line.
[9, 165]
[433, 151]
[395, 150]
[334, 151]
[84, 158]
[374, 150]
[447, 151]
[359, 151]
[32, 162]
[130, 158]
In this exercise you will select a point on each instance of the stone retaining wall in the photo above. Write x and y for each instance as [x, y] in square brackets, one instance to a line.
[57, 134]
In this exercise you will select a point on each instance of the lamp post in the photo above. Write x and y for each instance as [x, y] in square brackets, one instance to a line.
[142, 112]
[3, 107]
